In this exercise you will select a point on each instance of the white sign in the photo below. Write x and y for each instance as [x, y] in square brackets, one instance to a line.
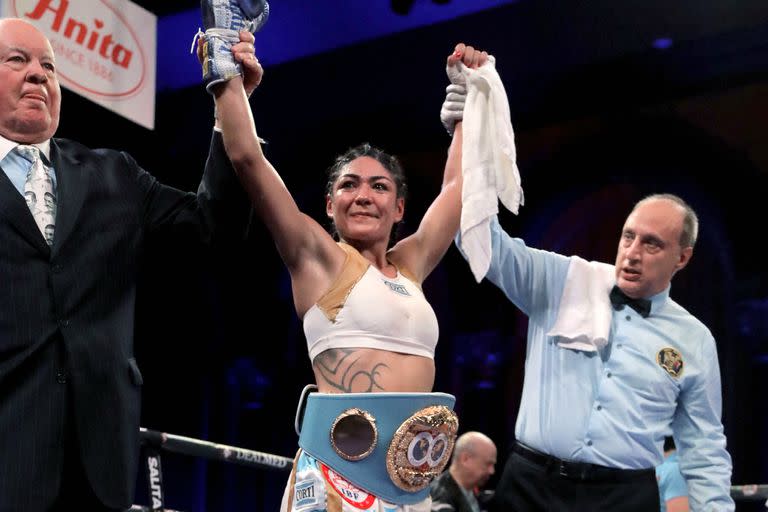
[105, 50]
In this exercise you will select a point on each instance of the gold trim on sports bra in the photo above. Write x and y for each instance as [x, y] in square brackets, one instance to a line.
[354, 268]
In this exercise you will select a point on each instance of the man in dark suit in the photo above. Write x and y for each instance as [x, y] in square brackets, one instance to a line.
[69, 384]
[472, 464]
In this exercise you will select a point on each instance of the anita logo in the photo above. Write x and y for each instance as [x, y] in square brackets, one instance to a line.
[89, 54]
[78, 32]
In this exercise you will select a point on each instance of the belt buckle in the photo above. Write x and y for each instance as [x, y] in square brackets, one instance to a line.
[562, 469]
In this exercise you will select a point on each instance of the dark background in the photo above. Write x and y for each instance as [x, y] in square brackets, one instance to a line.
[602, 117]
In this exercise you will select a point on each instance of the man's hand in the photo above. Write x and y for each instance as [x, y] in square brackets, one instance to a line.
[224, 22]
[452, 111]
[244, 53]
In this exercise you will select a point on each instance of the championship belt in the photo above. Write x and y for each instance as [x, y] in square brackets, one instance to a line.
[389, 444]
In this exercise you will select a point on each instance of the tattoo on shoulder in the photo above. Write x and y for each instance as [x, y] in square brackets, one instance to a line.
[341, 369]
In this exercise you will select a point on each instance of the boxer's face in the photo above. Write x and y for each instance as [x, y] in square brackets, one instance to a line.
[364, 202]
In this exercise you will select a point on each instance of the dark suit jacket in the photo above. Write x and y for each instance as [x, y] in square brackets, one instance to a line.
[446, 495]
[67, 315]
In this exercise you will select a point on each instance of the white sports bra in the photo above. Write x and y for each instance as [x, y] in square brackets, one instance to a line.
[366, 309]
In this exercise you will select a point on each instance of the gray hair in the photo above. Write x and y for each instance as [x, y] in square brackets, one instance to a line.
[690, 230]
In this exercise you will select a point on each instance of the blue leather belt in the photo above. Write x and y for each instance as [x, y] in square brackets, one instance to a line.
[411, 438]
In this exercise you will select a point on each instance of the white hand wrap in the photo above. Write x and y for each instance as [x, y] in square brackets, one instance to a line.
[453, 107]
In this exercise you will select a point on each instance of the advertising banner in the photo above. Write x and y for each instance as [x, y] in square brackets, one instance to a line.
[105, 50]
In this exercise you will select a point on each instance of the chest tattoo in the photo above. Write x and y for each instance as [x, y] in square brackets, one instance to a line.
[342, 369]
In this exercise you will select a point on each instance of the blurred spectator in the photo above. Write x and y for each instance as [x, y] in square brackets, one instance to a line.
[673, 491]
[472, 464]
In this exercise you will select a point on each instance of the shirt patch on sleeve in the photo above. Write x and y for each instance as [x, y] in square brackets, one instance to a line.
[671, 360]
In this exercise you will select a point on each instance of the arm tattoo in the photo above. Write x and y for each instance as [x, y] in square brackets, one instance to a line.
[339, 368]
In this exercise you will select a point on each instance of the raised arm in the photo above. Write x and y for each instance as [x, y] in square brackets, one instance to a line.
[423, 250]
[309, 252]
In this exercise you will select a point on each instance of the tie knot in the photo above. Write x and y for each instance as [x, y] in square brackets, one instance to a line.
[30, 153]
[619, 299]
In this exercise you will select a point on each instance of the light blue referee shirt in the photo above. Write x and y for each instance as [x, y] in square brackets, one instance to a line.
[615, 406]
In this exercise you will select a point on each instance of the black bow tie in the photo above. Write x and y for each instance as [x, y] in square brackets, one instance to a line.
[619, 300]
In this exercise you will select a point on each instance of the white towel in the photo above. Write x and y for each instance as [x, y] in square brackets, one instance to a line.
[584, 318]
[488, 163]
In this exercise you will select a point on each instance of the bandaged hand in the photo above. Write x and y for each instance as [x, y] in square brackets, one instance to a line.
[462, 57]
[453, 107]
[222, 54]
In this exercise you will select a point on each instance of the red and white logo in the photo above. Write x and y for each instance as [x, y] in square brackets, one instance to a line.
[358, 498]
[97, 49]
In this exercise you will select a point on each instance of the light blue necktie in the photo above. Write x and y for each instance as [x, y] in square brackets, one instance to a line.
[39, 192]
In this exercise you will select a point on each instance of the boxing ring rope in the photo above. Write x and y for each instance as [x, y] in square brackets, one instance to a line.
[753, 492]
[213, 451]
[154, 442]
